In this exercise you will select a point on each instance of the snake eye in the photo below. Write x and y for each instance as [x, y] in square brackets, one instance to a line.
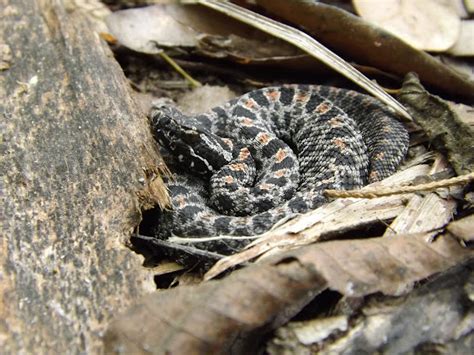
[164, 120]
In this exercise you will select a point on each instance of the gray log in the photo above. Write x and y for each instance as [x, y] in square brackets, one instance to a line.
[74, 148]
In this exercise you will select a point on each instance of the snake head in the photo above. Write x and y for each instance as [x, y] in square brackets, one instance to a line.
[196, 148]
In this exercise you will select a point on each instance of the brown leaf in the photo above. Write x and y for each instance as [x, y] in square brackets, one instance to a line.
[463, 228]
[387, 265]
[211, 34]
[204, 31]
[215, 316]
[441, 124]
[433, 313]
[230, 315]
[353, 37]
[431, 25]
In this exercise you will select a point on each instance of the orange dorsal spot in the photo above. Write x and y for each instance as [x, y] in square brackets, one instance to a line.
[263, 138]
[250, 103]
[336, 121]
[244, 153]
[302, 97]
[280, 173]
[229, 179]
[323, 107]
[228, 143]
[247, 121]
[237, 167]
[280, 155]
[340, 143]
[272, 95]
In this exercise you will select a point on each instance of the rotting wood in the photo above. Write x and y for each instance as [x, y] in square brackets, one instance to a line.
[75, 147]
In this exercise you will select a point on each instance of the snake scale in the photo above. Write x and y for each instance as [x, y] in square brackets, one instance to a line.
[269, 155]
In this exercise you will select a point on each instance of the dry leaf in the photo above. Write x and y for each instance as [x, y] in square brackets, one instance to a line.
[431, 25]
[232, 314]
[203, 98]
[143, 29]
[309, 45]
[464, 46]
[204, 31]
[445, 130]
[431, 314]
[215, 316]
[425, 212]
[353, 37]
[463, 229]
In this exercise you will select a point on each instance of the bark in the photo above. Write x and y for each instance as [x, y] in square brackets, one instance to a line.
[74, 148]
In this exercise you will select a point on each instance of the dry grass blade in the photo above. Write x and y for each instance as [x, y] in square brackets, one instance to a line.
[307, 44]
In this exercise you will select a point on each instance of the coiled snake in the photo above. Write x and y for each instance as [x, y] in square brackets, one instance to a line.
[270, 154]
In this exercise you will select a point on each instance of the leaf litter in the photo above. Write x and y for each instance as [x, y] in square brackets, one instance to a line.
[375, 254]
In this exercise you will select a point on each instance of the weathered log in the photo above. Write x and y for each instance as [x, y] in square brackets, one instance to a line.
[74, 149]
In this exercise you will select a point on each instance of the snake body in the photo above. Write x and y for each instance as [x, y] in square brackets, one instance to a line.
[269, 155]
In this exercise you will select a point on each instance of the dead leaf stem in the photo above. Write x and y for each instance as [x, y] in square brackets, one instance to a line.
[397, 190]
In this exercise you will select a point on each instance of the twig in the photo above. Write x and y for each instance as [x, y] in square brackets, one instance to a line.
[183, 248]
[379, 192]
[179, 240]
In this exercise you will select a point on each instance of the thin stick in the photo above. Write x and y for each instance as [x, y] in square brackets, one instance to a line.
[183, 248]
[397, 190]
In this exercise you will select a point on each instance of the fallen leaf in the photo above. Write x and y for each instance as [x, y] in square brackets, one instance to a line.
[431, 314]
[425, 213]
[197, 28]
[431, 25]
[463, 229]
[233, 314]
[352, 37]
[464, 46]
[204, 98]
[446, 131]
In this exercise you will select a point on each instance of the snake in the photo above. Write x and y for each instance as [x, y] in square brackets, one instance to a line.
[268, 156]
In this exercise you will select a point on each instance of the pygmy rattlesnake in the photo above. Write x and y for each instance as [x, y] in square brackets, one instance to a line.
[269, 154]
